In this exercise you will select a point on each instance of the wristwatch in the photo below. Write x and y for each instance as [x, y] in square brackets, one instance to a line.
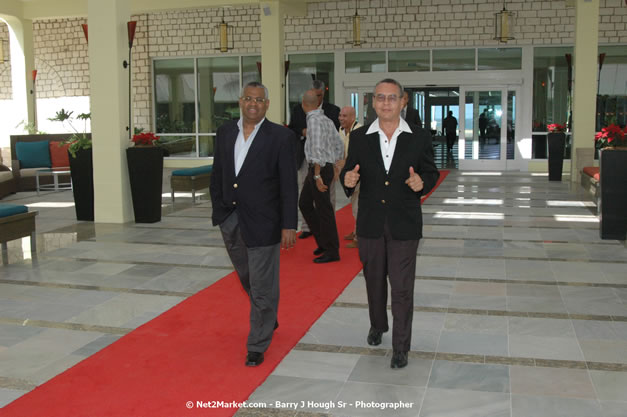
[316, 177]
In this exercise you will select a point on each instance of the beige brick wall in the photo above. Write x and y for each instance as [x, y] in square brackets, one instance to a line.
[62, 61]
[5, 67]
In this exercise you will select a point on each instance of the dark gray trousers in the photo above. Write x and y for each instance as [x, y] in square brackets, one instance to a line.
[258, 271]
[385, 257]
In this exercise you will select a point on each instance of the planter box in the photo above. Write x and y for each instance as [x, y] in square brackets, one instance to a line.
[145, 171]
[82, 172]
[613, 201]
[557, 143]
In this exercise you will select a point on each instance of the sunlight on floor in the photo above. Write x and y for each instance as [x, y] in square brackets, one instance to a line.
[479, 201]
[468, 215]
[561, 203]
[51, 204]
[488, 173]
[575, 218]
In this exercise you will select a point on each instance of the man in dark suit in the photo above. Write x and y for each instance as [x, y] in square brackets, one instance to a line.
[410, 114]
[254, 198]
[298, 124]
[393, 163]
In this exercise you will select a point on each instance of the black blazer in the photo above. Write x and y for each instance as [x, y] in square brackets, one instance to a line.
[298, 122]
[412, 116]
[385, 196]
[265, 193]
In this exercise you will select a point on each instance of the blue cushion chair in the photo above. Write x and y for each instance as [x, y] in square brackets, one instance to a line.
[190, 179]
[16, 222]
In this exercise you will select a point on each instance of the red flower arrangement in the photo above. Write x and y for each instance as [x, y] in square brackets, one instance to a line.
[610, 136]
[556, 128]
[145, 139]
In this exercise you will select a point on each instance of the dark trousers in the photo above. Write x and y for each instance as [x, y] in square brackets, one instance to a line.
[383, 257]
[450, 140]
[318, 212]
[258, 272]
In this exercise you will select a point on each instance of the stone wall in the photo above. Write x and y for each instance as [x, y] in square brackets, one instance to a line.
[5, 67]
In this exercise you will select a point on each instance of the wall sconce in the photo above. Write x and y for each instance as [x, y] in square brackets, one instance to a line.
[130, 30]
[225, 31]
[84, 26]
[503, 25]
[356, 20]
[34, 94]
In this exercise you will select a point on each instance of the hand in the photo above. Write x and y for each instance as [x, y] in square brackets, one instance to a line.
[320, 185]
[414, 181]
[304, 132]
[351, 177]
[337, 168]
[288, 238]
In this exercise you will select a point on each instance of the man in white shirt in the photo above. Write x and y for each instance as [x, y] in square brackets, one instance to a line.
[348, 123]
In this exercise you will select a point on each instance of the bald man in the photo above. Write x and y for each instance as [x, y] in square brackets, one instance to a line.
[348, 123]
[323, 149]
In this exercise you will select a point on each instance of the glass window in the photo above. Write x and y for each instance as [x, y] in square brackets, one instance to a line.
[303, 69]
[365, 62]
[175, 91]
[408, 61]
[499, 58]
[551, 89]
[218, 92]
[612, 99]
[183, 146]
[250, 70]
[453, 60]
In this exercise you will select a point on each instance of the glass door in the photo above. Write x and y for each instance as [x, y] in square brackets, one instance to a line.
[361, 100]
[486, 127]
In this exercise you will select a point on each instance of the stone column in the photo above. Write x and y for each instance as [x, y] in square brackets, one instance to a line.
[22, 65]
[273, 57]
[108, 48]
[585, 74]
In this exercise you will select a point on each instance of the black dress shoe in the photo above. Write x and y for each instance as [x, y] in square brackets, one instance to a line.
[374, 337]
[276, 325]
[304, 235]
[399, 360]
[318, 251]
[326, 258]
[254, 358]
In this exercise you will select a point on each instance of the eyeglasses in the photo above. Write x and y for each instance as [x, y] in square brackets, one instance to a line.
[258, 100]
[382, 98]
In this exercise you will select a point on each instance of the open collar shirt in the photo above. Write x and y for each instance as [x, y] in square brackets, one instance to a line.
[388, 145]
[242, 146]
[323, 143]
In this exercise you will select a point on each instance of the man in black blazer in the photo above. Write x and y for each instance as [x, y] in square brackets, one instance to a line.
[254, 197]
[393, 163]
[298, 124]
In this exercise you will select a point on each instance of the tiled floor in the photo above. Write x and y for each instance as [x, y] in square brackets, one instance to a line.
[520, 308]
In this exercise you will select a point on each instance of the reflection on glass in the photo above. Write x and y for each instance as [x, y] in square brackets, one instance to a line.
[218, 92]
[408, 61]
[483, 124]
[511, 123]
[304, 68]
[364, 62]
[179, 146]
[369, 114]
[175, 92]
[551, 101]
[250, 70]
[205, 146]
[612, 99]
[499, 58]
[453, 59]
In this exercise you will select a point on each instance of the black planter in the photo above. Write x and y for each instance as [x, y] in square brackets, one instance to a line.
[145, 171]
[82, 172]
[557, 142]
[613, 204]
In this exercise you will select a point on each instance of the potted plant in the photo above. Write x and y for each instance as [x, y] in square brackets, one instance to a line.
[557, 144]
[612, 142]
[81, 164]
[145, 171]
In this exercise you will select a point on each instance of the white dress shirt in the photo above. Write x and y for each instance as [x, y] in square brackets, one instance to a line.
[242, 146]
[388, 145]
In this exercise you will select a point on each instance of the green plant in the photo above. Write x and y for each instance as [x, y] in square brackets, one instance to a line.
[78, 140]
[30, 128]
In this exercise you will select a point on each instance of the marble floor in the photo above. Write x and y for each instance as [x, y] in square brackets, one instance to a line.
[520, 308]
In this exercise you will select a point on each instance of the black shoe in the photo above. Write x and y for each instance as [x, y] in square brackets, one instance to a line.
[254, 358]
[276, 325]
[304, 235]
[399, 360]
[374, 337]
[318, 251]
[326, 258]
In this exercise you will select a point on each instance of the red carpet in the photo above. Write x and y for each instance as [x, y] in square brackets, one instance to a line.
[195, 351]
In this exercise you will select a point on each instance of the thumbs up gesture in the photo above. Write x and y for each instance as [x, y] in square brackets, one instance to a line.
[414, 181]
[351, 177]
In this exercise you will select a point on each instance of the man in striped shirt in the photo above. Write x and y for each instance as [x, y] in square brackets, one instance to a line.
[322, 149]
